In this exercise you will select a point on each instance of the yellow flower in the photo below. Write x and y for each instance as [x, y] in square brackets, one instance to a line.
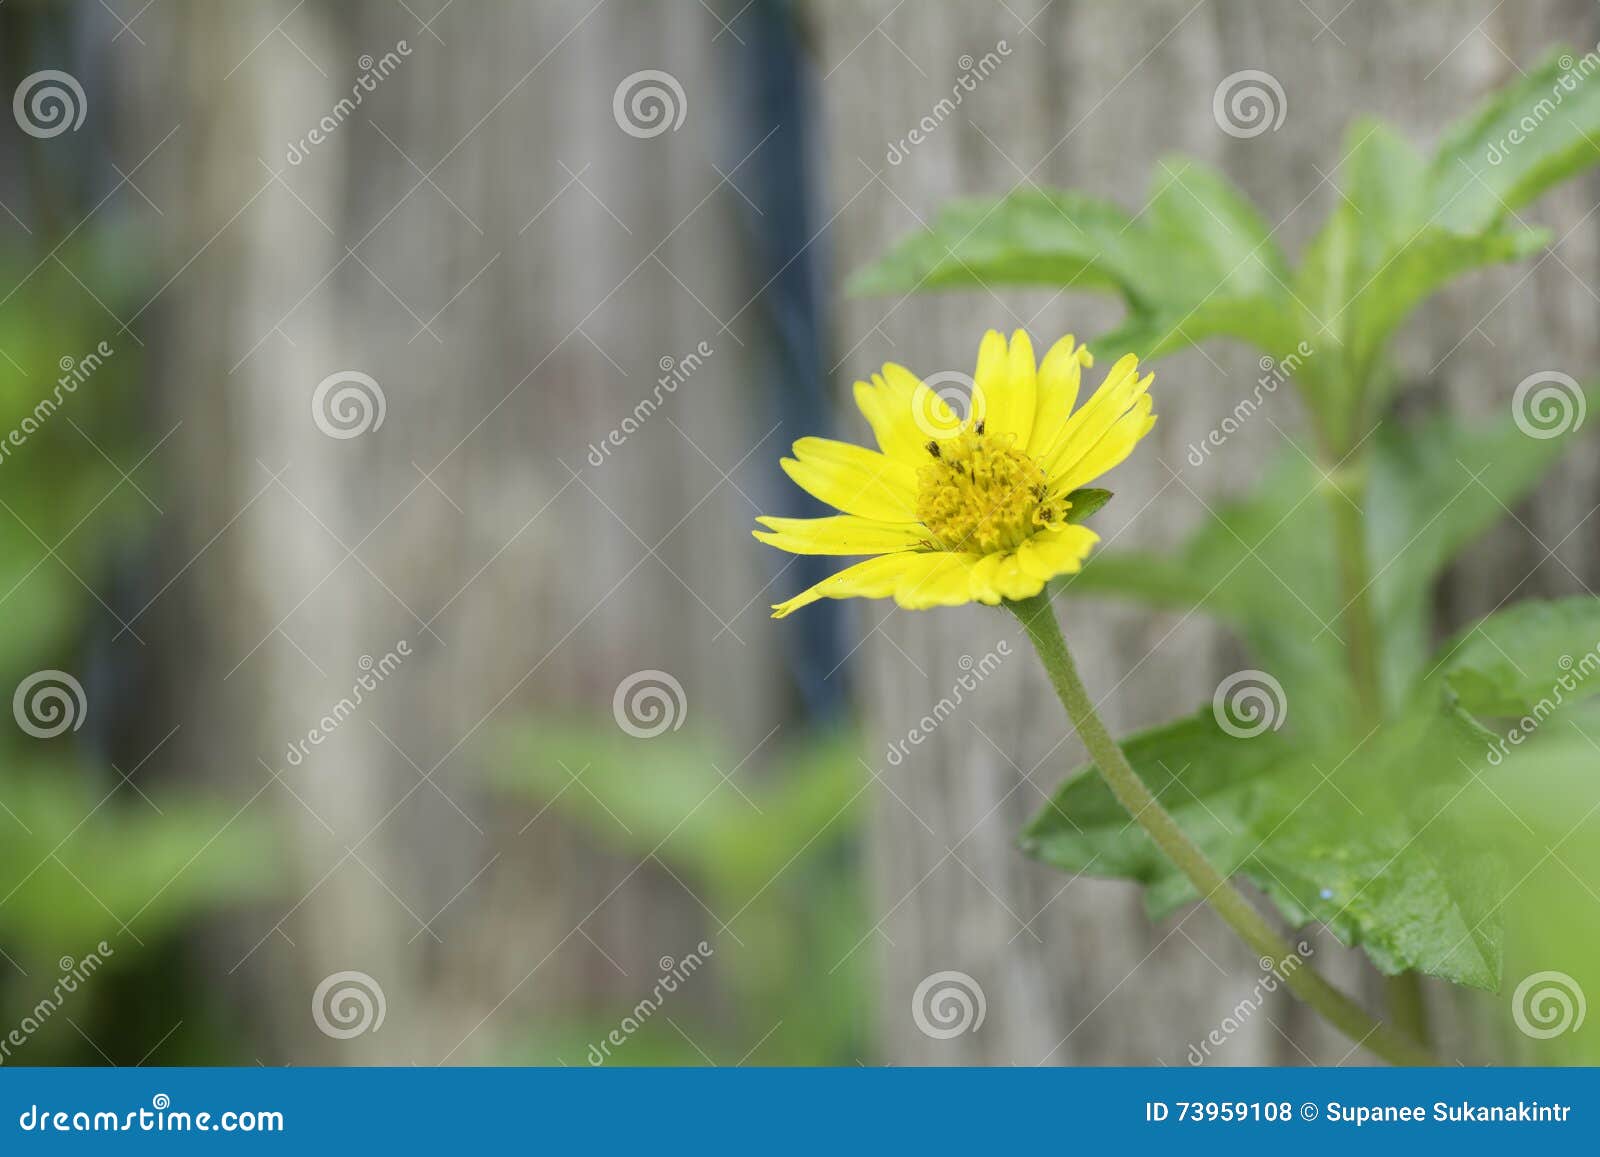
[957, 511]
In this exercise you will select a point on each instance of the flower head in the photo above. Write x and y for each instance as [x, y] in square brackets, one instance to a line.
[975, 509]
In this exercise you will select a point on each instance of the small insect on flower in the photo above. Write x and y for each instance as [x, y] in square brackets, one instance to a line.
[985, 509]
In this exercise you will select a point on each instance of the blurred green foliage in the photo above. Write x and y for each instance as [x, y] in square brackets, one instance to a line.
[770, 852]
[85, 858]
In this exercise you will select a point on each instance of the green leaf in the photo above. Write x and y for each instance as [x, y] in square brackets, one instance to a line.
[1481, 174]
[1530, 660]
[1202, 775]
[1266, 565]
[1262, 320]
[1083, 502]
[1197, 262]
[1029, 237]
[1434, 487]
[1362, 841]
[1196, 207]
[1385, 249]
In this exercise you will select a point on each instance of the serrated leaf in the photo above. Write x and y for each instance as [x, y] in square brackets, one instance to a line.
[1029, 237]
[1363, 842]
[1201, 774]
[1197, 262]
[1529, 660]
[1481, 174]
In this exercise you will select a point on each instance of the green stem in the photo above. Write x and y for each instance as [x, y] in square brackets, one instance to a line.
[1403, 993]
[1039, 620]
[1407, 1011]
[1361, 636]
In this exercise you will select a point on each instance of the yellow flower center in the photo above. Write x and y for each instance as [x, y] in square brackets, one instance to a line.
[981, 495]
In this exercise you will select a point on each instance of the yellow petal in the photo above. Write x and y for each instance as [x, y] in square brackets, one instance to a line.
[1116, 394]
[876, 578]
[839, 534]
[1003, 576]
[854, 479]
[983, 580]
[930, 415]
[1059, 376]
[888, 405]
[989, 379]
[1114, 445]
[943, 580]
[1009, 408]
[1058, 551]
[876, 407]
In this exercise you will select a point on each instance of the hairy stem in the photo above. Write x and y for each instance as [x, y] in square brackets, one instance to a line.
[1039, 620]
